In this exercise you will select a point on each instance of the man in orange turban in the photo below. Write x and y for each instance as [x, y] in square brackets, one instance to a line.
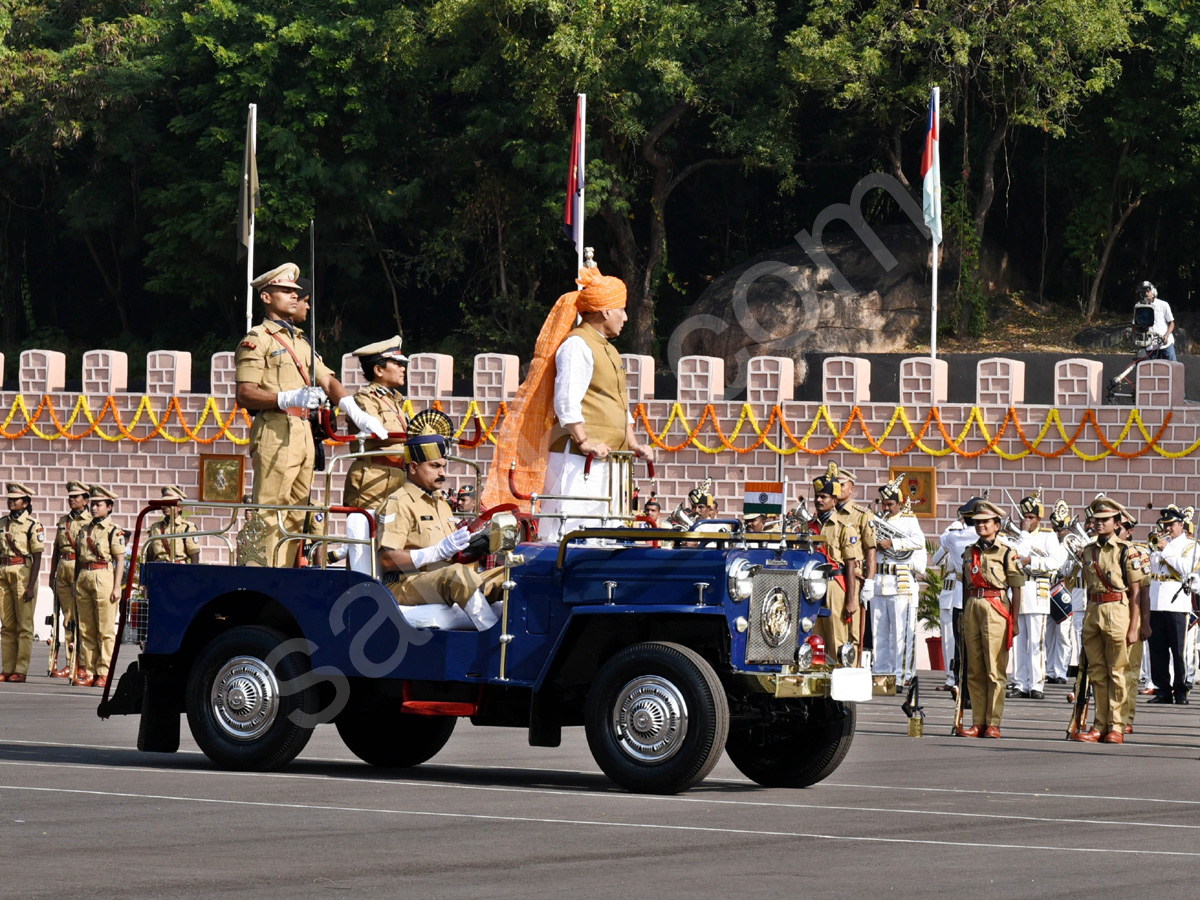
[572, 404]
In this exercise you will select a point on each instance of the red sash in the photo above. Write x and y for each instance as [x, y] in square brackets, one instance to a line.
[985, 591]
[815, 527]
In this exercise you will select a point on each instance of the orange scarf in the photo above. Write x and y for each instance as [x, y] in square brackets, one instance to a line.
[524, 437]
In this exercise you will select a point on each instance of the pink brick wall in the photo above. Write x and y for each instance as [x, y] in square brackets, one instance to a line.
[136, 470]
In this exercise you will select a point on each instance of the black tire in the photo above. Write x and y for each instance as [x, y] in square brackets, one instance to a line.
[794, 753]
[383, 736]
[245, 722]
[676, 697]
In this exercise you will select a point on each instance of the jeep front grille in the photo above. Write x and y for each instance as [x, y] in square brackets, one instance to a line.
[773, 635]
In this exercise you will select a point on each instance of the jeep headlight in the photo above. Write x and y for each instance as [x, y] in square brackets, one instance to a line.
[814, 578]
[741, 579]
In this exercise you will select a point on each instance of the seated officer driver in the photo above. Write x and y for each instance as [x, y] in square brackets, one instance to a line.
[417, 535]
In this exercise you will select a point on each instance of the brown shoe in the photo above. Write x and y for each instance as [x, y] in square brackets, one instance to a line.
[3, 677]
[1088, 737]
[1113, 737]
[100, 681]
[83, 679]
[64, 672]
[992, 731]
[1129, 729]
[16, 678]
[969, 731]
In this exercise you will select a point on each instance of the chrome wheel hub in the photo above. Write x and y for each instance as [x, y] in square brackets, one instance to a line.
[245, 698]
[650, 719]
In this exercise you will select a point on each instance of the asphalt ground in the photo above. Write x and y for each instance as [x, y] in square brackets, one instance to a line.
[83, 814]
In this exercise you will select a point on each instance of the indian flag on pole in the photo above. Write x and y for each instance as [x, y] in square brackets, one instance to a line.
[763, 498]
[931, 171]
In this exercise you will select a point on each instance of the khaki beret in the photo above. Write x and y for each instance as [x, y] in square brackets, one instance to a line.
[984, 510]
[174, 490]
[389, 349]
[1105, 508]
[102, 493]
[281, 276]
[75, 488]
[16, 489]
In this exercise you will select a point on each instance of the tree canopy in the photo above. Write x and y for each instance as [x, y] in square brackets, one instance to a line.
[428, 139]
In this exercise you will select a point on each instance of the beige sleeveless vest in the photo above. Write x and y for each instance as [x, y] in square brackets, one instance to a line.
[606, 403]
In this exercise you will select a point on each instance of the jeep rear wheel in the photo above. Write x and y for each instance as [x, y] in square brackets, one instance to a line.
[245, 712]
[384, 736]
[792, 752]
[656, 718]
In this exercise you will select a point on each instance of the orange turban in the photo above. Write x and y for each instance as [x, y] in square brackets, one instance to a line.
[525, 433]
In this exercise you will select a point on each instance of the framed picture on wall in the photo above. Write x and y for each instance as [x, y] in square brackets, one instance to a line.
[920, 486]
[222, 477]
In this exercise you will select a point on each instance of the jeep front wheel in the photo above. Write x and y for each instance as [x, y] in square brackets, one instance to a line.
[794, 751]
[656, 718]
[243, 706]
[384, 736]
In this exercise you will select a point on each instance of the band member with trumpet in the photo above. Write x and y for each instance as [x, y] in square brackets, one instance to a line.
[1041, 556]
[841, 630]
[1112, 573]
[1173, 561]
[991, 574]
[897, 536]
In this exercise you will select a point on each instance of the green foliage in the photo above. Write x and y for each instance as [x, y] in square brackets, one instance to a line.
[928, 610]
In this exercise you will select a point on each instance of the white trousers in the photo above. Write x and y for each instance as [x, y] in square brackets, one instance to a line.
[946, 616]
[1060, 646]
[892, 630]
[564, 475]
[1189, 653]
[1029, 652]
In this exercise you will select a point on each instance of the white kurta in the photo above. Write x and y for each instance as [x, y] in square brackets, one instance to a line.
[574, 364]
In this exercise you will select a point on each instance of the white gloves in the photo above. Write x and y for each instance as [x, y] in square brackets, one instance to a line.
[442, 550]
[1193, 583]
[867, 592]
[361, 420]
[305, 398]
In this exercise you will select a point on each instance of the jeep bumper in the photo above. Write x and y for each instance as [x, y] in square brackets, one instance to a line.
[850, 685]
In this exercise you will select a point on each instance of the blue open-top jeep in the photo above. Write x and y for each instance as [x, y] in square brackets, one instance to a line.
[665, 655]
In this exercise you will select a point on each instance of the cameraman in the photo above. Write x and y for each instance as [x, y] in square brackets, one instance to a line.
[1164, 321]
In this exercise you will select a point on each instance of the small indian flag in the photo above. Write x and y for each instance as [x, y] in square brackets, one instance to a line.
[763, 498]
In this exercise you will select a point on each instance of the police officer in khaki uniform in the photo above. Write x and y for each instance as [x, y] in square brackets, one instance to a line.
[275, 384]
[1125, 526]
[1112, 572]
[861, 518]
[992, 581]
[841, 629]
[62, 562]
[417, 535]
[21, 544]
[99, 565]
[179, 550]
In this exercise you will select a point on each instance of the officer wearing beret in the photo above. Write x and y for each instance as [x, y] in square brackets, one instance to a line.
[841, 630]
[1112, 572]
[418, 538]
[275, 384]
[861, 518]
[991, 574]
[179, 550]
[62, 562]
[372, 479]
[1173, 561]
[21, 545]
[99, 565]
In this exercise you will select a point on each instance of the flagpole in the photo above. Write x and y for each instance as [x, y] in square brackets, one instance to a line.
[934, 238]
[250, 203]
[580, 207]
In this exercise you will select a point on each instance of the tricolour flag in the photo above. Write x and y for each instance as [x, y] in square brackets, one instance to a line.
[573, 216]
[763, 498]
[931, 173]
[249, 198]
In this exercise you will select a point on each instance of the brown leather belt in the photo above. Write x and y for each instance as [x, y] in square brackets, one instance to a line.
[12, 560]
[298, 412]
[66, 557]
[93, 566]
[985, 593]
[1109, 597]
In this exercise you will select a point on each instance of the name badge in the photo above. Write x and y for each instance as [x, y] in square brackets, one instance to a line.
[426, 518]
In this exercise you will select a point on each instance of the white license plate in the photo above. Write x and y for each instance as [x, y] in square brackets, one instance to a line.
[851, 685]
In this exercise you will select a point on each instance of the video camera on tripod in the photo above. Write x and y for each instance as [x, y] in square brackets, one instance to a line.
[1139, 331]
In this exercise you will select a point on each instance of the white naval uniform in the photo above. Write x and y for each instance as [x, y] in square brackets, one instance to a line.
[955, 541]
[894, 602]
[1029, 647]
[574, 364]
[1178, 557]
[1061, 645]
